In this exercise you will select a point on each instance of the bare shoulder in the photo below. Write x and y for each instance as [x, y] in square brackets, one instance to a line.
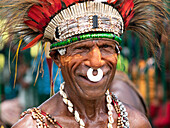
[26, 122]
[52, 104]
[136, 118]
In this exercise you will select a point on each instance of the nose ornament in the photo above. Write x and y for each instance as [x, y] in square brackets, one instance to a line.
[95, 78]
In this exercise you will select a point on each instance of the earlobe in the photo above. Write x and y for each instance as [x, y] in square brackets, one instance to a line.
[56, 58]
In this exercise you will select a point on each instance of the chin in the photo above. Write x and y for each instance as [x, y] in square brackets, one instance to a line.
[93, 91]
[92, 95]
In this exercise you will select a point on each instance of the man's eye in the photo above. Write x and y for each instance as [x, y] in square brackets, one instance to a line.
[105, 46]
[81, 48]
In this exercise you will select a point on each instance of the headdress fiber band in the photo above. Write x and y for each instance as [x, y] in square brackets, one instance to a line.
[82, 18]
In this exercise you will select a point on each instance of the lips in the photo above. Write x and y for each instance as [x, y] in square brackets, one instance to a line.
[87, 87]
[83, 73]
[82, 76]
[83, 81]
[86, 78]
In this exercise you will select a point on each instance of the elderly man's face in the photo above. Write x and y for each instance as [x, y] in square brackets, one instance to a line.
[84, 55]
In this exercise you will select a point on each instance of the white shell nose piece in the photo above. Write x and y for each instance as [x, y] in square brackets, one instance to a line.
[93, 78]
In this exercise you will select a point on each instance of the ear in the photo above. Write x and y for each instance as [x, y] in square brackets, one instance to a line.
[56, 58]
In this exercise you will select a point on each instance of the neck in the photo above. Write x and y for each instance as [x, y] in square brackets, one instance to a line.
[87, 108]
[90, 109]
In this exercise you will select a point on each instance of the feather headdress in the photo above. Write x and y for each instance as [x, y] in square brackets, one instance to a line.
[57, 20]
[29, 18]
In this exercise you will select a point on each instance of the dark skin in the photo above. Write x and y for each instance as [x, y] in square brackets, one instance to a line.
[87, 97]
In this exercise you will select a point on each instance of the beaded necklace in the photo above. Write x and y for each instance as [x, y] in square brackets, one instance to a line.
[122, 120]
[76, 114]
[40, 117]
[119, 107]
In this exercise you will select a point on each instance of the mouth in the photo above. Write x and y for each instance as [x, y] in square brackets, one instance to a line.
[81, 77]
[87, 87]
[85, 78]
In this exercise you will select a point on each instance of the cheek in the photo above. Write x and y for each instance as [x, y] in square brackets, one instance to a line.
[65, 60]
[112, 62]
[112, 59]
[71, 61]
[69, 65]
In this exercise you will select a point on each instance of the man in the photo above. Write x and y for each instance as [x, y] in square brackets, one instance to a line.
[85, 38]
[87, 97]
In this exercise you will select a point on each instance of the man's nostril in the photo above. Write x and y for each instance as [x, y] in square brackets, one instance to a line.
[95, 72]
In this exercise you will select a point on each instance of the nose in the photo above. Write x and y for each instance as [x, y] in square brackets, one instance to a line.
[95, 60]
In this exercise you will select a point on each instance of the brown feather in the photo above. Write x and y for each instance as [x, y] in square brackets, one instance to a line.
[148, 20]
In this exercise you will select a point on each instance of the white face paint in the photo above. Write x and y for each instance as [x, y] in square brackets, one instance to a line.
[93, 78]
[62, 51]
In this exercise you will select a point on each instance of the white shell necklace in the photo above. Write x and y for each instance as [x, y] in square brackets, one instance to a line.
[77, 116]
